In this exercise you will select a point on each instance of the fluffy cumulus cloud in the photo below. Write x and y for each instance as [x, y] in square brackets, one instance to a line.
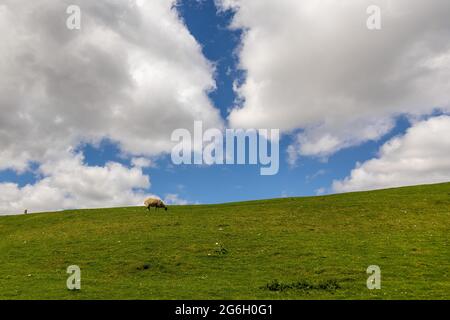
[314, 66]
[132, 74]
[421, 156]
[70, 183]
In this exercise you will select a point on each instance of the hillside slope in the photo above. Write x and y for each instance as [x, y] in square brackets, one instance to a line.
[293, 248]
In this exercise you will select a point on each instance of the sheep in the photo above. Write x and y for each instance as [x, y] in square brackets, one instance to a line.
[153, 202]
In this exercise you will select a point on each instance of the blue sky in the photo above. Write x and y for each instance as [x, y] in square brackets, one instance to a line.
[358, 109]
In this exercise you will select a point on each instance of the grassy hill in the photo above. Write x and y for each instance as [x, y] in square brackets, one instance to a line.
[293, 248]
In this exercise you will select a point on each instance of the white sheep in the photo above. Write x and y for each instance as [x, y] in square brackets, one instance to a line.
[156, 203]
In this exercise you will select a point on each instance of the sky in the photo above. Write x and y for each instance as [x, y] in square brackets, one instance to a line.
[87, 114]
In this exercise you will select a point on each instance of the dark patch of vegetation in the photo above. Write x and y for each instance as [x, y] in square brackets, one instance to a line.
[145, 266]
[304, 285]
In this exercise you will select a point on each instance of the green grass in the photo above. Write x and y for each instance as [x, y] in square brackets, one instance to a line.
[293, 248]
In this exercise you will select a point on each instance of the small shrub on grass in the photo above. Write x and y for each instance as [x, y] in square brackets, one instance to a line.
[330, 285]
[220, 249]
[302, 285]
[275, 285]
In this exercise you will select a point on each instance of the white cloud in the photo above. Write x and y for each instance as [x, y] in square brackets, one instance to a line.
[421, 156]
[315, 175]
[175, 199]
[132, 74]
[142, 163]
[323, 140]
[69, 183]
[314, 65]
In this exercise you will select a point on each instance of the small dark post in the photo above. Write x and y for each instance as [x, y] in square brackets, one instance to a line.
[26, 211]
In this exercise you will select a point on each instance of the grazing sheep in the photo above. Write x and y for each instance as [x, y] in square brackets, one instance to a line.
[152, 202]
